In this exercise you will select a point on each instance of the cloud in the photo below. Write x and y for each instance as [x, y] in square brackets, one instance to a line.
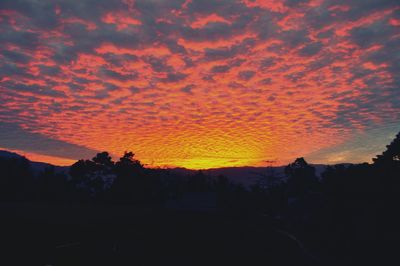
[177, 80]
[365, 36]
[117, 75]
[311, 49]
[220, 69]
[13, 137]
[361, 148]
[188, 89]
[174, 77]
[246, 75]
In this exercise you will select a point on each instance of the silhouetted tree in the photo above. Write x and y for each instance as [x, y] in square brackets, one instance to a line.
[91, 177]
[128, 165]
[79, 171]
[387, 172]
[392, 152]
[301, 178]
[129, 184]
[103, 159]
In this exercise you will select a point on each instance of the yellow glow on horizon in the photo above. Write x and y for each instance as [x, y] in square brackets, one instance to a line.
[208, 163]
[199, 151]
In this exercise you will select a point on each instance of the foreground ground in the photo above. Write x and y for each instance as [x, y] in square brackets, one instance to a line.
[39, 234]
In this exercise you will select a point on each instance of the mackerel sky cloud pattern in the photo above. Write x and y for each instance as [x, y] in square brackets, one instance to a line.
[200, 83]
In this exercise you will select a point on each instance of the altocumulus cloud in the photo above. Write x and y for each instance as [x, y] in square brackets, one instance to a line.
[234, 79]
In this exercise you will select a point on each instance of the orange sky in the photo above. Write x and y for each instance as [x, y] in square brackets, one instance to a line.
[199, 84]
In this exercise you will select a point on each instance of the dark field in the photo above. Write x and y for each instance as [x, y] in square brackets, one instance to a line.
[37, 234]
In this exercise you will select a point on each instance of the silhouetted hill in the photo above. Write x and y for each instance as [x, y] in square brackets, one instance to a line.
[9, 155]
[36, 167]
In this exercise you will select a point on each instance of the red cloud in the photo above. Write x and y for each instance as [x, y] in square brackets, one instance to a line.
[273, 5]
[122, 20]
[202, 21]
[201, 86]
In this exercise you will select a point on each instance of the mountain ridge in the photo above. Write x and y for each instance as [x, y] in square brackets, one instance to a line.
[36, 167]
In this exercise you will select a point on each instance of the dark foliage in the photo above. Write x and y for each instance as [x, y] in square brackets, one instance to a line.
[391, 154]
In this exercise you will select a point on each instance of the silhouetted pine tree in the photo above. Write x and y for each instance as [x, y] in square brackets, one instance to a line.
[392, 152]
[301, 178]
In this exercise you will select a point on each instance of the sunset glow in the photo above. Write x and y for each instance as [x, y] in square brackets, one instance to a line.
[198, 83]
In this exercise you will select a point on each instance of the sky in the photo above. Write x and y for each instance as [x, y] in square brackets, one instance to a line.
[200, 83]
